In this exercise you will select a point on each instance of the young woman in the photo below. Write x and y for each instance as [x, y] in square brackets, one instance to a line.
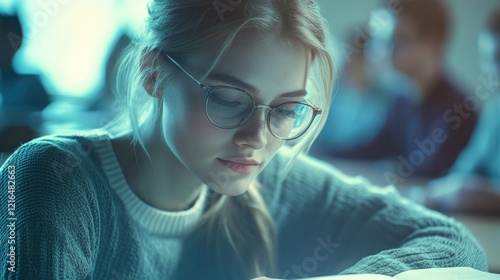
[196, 180]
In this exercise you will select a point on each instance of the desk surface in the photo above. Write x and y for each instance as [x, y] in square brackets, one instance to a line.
[487, 232]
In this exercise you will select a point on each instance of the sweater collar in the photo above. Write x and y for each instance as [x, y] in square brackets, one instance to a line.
[156, 221]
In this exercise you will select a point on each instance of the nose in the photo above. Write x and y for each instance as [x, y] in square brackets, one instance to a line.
[253, 133]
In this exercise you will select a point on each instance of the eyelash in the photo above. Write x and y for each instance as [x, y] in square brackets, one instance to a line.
[288, 114]
[225, 104]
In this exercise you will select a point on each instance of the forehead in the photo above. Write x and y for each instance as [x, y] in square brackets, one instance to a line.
[268, 62]
[255, 49]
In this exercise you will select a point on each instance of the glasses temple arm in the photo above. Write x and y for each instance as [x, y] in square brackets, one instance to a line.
[183, 69]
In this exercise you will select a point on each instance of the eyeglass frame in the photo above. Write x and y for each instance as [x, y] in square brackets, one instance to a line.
[209, 90]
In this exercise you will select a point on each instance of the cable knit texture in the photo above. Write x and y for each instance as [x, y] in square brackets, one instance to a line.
[76, 218]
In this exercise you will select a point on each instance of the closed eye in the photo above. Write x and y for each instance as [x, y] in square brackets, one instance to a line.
[286, 113]
[225, 103]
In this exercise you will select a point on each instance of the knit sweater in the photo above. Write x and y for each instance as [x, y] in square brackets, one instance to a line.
[75, 217]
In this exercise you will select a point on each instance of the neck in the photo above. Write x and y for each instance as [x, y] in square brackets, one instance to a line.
[160, 180]
[428, 79]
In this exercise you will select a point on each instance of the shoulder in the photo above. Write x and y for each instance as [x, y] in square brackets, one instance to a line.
[313, 182]
[57, 155]
[58, 198]
[54, 172]
[304, 170]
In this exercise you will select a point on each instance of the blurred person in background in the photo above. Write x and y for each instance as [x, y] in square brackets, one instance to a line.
[359, 108]
[106, 97]
[21, 95]
[474, 181]
[424, 133]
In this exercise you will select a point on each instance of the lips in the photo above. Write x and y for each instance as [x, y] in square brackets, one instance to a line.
[243, 161]
[240, 165]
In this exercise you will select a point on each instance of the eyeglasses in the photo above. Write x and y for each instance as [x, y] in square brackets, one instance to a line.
[230, 107]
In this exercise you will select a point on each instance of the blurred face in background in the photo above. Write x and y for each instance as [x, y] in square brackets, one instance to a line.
[413, 54]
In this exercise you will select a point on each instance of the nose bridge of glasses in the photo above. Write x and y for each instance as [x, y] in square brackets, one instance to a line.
[266, 108]
[263, 106]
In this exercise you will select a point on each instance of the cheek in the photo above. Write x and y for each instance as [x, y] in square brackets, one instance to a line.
[198, 126]
[187, 130]
[183, 112]
[273, 145]
[406, 60]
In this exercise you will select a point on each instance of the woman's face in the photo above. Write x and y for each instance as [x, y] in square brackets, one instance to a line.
[228, 160]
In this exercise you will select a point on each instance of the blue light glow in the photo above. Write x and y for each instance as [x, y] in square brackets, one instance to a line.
[67, 42]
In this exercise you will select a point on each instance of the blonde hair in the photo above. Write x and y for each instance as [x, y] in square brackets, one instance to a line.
[181, 27]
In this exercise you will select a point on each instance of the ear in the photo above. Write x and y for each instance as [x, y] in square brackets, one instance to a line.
[150, 65]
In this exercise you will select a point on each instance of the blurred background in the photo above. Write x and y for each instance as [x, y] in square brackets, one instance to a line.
[416, 96]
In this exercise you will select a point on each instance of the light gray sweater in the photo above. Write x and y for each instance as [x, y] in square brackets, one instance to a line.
[76, 218]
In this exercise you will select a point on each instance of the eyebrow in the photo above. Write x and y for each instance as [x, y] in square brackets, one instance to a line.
[228, 79]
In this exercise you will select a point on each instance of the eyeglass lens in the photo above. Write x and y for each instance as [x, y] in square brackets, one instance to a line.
[229, 107]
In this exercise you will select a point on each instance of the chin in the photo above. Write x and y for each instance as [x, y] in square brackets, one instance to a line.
[230, 189]
[228, 183]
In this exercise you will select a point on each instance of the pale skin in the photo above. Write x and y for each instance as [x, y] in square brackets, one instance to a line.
[186, 149]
